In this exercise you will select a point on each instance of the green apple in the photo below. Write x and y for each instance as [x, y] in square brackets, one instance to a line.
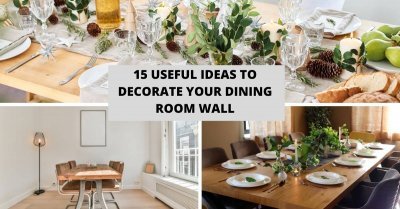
[389, 30]
[371, 35]
[393, 55]
[376, 49]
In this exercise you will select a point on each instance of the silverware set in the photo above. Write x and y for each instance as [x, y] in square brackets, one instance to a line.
[275, 186]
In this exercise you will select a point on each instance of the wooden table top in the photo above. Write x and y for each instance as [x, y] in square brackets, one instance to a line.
[99, 172]
[293, 195]
[41, 78]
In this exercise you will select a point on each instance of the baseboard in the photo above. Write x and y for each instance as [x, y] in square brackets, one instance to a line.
[16, 199]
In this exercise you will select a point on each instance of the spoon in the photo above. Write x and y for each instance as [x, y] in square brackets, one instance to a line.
[279, 185]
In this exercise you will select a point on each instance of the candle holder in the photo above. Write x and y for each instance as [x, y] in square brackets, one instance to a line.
[296, 169]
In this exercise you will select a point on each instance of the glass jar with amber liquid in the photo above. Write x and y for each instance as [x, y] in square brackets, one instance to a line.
[108, 14]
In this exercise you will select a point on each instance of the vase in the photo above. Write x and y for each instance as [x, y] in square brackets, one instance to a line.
[282, 176]
[108, 14]
[78, 11]
[220, 58]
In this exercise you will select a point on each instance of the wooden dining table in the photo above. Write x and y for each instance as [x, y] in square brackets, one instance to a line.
[97, 174]
[296, 193]
[41, 77]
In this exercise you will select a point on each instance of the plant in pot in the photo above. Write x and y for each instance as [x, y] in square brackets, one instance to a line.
[78, 10]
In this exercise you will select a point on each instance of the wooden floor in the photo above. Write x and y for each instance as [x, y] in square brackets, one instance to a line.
[128, 199]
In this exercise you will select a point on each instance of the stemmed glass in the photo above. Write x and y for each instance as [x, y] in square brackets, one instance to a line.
[149, 31]
[126, 42]
[289, 11]
[294, 51]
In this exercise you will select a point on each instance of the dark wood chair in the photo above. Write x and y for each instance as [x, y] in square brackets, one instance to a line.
[72, 164]
[213, 156]
[244, 148]
[273, 140]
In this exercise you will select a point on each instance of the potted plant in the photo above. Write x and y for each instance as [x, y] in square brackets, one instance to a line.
[78, 10]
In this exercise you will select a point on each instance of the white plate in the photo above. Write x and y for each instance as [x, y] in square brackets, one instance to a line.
[374, 145]
[240, 180]
[384, 66]
[268, 155]
[352, 26]
[93, 74]
[365, 153]
[292, 147]
[326, 178]
[238, 164]
[17, 50]
[349, 161]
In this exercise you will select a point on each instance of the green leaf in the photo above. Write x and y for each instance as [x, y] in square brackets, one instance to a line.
[192, 49]
[191, 36]
[73, 17]
[70, 5]
[17, 3]
[235, 10]
[253, 14]
[347, 55]
[246, 22]
[351, 61]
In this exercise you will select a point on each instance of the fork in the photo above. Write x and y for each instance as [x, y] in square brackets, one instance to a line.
[89, 64]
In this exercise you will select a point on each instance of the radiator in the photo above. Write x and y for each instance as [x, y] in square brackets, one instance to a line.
[168, 193]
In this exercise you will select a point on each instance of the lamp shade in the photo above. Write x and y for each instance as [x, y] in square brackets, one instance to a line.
[39, 139]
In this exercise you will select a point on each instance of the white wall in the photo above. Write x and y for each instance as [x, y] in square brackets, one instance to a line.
[18, 155]
[155, 145]
[126, 141]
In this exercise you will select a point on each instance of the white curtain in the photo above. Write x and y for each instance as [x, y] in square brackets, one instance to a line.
[271, 128]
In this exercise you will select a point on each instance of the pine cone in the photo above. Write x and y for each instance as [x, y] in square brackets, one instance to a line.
[205, 55]
[23, 11]
[322, 69]
[58, 3]
[326, 56]
[173, 46]
[93, 29]
[64, 10]
[255, 46]
[53, 19]
[236, 60]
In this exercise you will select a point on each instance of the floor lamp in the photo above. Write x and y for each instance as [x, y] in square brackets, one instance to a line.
[39, 141]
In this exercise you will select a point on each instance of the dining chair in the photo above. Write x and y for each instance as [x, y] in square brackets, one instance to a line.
[364, 136]
[391, 160]
[296, 136]
[213, 156]
[213, 201]
[71, 188]
[379, 174]
[113, 185]
[244, 148]
[272, 141]
[72, 164]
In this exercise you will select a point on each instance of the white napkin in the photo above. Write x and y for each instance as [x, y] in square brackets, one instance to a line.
[341, 20]
[10, 35]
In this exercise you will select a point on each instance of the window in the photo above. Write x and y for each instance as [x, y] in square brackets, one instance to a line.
[246, 129]
[184, 149]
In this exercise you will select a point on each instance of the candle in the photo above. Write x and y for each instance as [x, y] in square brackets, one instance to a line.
[295, 151]
[273, 30]
[348, 44]
[163, 12]
[340, 133]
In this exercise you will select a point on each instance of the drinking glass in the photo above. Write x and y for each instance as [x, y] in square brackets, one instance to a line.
[314, 33]
[27, 22]
[149, 31]
[288, 11]
[42, 9]
[294, 51]
[126, 42]
[262, 61]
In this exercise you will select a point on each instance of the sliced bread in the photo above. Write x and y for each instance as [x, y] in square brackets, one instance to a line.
[372, 97]
[337, 95]
[378, 81]
[394, 87]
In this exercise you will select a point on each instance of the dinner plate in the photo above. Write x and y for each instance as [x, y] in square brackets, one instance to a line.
[238, 164]
[384, 66]
[94, 74]
[248, 180]
[17, 50]
[352, 26]
[365, 153]
[374, 145]
[349, 161]
[291, 147]
[268, 155]
[326, 178]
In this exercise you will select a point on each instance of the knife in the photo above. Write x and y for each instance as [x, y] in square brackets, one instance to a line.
[13, 45]
[22, 63]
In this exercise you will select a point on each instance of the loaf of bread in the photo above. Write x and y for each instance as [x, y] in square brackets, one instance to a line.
[371, 97]
[337, 95]
[378, 81]
[394, 87]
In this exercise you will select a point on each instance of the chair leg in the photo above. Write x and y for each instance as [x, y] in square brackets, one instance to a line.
[72, 198]
[112, 195]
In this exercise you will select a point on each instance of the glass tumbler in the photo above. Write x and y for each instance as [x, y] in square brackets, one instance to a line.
[314, 33]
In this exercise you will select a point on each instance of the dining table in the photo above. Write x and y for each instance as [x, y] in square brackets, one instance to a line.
[97, 174]
[40, 77]
[297, 192]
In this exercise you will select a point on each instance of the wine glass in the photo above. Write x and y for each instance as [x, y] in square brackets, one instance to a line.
[288, 11]
[126, 42]
[294, 51]
[149, 31]
[42, 9]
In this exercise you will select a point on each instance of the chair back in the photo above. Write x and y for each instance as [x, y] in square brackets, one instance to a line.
[385, 194]
[296, 136]
[213, 156]
[60, 169]
[72, 164]
[396, 166]
[244, 148]
[365, 136]
[112, 164]
[271, 141]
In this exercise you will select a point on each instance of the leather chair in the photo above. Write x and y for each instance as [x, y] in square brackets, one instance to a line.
[379, 174]
[72, 164]
[364, 136]
[213, 156]
[71, 187]
[244, 148]
[296, 136]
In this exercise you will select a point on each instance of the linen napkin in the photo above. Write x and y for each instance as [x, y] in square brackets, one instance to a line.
[335, 21]
[10, 35]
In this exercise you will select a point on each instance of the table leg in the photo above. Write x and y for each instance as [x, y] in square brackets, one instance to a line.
[100, 196]
[81, 194]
